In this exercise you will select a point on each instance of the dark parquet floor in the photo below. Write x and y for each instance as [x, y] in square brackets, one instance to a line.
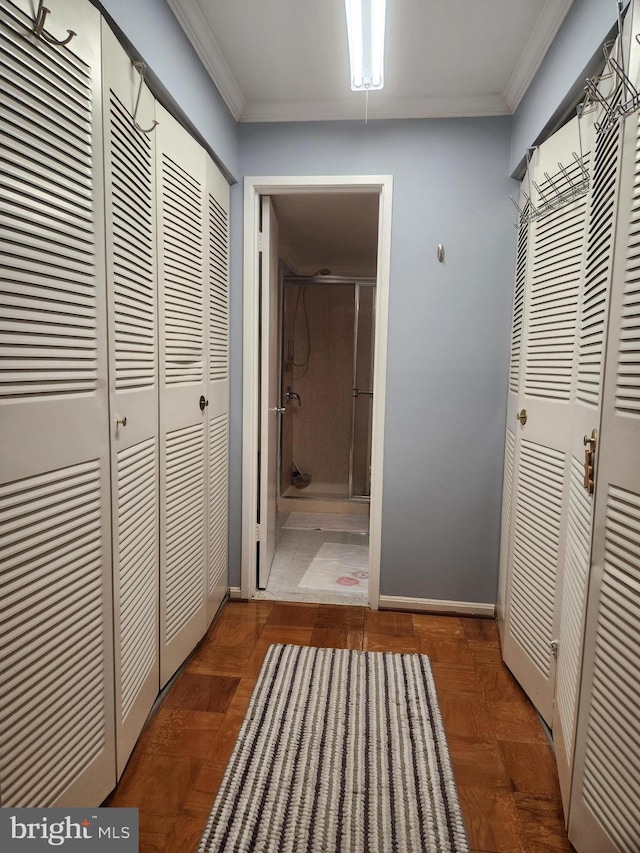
[502, 761]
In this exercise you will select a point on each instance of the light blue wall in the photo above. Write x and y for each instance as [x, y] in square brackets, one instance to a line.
[154, 32]
[448, 336]
[562, 75]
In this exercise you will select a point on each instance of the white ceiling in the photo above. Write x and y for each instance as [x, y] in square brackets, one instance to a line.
[287, 60]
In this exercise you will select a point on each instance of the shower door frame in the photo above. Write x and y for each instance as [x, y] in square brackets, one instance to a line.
[254, 189]
[357, 282]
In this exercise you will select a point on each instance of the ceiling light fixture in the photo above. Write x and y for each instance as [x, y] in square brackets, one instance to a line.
[365, 29]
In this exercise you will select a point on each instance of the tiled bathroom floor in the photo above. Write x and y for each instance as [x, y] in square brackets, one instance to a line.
[318, 566]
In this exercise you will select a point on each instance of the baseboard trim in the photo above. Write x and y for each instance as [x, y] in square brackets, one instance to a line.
[436, 605]
[235, 593]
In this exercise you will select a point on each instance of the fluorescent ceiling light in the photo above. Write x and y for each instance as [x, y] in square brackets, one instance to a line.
[365, 28]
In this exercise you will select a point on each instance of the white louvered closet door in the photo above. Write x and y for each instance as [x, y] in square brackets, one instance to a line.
[217, 575]
[183, 270]
[133, 389]
[56, 634]
[592, 317]
[543, 444]
[515, 364]
[605, 802]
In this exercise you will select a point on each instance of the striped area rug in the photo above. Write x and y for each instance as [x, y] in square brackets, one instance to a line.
[339, 751]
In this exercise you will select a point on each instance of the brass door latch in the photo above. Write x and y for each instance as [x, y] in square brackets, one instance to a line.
[589, 460]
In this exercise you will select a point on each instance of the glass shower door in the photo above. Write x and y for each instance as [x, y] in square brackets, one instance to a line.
[362, 404]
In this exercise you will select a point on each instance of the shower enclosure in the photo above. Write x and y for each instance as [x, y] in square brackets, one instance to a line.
[327, 386]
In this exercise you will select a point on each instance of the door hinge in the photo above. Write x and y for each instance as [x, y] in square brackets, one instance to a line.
[259, 241]
[258, 533]
[554, 648]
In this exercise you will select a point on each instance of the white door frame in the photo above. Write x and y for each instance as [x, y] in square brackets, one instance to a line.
[254, 187]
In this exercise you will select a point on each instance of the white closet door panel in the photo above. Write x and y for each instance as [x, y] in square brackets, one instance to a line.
[541, 475]
[574, 590]
[182, 247]
[592, 316]
[56, 664]
[218, 566]
[218, 388]
[535, 553]
[604, 801]
[133, 389]
[510, 460]
[611, 781]
[507, 503]
[185, 508]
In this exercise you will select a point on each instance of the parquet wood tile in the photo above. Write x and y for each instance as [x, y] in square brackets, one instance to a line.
[492, 820]
[426, 623]
[179, 732]
[485, 652]
[214, 658]
[483, 630]
[441, 650]
[531, 767]
[543, 823]
[516, 721]
[478, 761]
[155, 831]
[336, 638]
[384, 643]
[464, 715]
[457, 677]
[294, 615]
[335, 616]
[498, 683]
[156, 784]
[501, 759]
[198, 692]
[388, 623]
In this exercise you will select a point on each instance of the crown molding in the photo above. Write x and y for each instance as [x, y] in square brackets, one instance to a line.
[543, 34]
[196, 27]
[346, 109]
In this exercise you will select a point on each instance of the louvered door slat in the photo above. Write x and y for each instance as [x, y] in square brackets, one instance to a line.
[536, 547]
[611, 781]
[135, 447]
[605, 804]
[56, 639]
[218, 291]
[47, 604]
[38, 307]
[218, 505]
[218, 387]
[575, 579]
[598, 267]
[555, 283]
[183, 256]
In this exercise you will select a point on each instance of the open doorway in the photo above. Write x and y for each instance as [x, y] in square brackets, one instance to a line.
[316, 294]
[326, 376]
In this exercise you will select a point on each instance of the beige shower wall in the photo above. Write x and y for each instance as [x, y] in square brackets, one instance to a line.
[317, 434]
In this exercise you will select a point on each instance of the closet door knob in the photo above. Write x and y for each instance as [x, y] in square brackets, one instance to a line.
[522, 417]
[203, 402]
